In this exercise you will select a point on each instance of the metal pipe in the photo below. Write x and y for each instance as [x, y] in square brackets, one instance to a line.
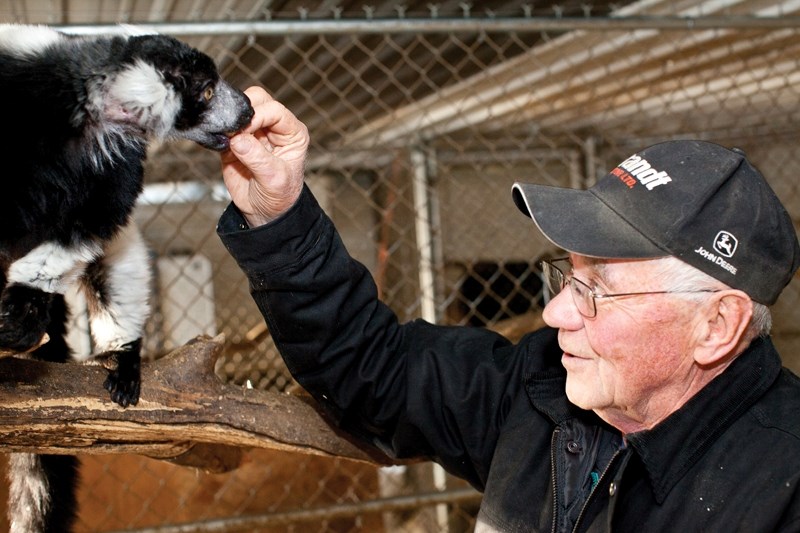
[444, 25]
[424, 233]
[423, 212]
[249, 523]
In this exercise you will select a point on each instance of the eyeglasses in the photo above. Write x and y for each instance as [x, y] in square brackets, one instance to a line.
[583, 295]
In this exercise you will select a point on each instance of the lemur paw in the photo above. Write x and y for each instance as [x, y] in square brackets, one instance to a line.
[124, 389]
[24, 317]
[124, 379]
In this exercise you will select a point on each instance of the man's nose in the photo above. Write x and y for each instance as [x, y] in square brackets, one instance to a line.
[561, 312]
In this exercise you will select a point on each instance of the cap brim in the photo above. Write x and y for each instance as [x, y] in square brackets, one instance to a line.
[579, 222]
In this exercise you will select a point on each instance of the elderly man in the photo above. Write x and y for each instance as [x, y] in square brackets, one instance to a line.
[655, 400]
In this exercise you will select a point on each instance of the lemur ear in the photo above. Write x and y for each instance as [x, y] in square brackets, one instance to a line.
[176, 80]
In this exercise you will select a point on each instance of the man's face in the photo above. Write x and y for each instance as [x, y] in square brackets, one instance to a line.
[632, 363]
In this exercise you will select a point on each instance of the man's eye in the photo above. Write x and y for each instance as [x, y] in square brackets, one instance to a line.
[578, 288]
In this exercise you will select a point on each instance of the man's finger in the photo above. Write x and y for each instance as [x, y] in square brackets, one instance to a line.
[273, 117]
[257, 95]
[252, 153]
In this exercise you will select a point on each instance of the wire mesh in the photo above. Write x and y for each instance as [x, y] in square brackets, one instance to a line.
[417, 137]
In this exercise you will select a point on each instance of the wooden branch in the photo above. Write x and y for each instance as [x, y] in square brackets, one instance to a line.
[185, 413]
[516, 327]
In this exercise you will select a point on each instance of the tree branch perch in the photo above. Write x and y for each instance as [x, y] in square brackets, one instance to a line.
[186, 414]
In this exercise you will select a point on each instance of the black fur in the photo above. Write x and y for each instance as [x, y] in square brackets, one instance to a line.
[61, 472]
[78, 114]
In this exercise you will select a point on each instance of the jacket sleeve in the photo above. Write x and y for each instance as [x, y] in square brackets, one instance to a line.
[413, 389]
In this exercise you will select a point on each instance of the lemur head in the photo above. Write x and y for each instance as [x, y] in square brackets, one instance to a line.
[170, 90]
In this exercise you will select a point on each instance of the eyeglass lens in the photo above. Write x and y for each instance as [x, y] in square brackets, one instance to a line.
[554, 278]
[581, 294]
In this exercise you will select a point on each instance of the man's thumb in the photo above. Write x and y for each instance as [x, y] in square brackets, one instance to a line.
[242, 144]
[252, 154]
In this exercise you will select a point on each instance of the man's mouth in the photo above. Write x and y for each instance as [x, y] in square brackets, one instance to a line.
[572, 357]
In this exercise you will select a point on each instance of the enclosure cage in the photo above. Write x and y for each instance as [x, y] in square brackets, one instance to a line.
[422, 116]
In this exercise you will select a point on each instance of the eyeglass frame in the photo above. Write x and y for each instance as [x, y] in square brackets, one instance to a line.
[566, 279]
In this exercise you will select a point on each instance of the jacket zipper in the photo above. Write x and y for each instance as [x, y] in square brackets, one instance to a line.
[554, 480]
[594, 490]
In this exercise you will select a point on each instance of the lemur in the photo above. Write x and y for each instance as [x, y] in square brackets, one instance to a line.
[78, 115]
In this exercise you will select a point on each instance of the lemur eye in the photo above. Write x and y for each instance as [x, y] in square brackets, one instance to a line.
[208, 94]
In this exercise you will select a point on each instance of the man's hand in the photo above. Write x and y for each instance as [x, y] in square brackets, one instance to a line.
[264, 168]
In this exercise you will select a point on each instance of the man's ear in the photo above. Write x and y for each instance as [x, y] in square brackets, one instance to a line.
[725, 322]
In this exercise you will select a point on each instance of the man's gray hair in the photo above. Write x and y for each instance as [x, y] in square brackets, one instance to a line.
[679, 276]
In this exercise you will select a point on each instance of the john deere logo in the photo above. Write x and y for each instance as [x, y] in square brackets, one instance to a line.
[725, 244]
[724, 247]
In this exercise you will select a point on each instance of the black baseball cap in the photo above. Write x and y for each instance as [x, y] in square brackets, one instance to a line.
[695, 200]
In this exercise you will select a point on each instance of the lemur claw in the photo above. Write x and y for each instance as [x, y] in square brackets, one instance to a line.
[123, 391]
[124, 373]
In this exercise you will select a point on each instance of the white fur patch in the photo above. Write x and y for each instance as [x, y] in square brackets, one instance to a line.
[28, 493]
[52, 267]
[25, 40]
[128, 292]
[139, 95]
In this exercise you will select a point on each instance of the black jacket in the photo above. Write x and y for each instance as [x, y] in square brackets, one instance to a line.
[496, 413]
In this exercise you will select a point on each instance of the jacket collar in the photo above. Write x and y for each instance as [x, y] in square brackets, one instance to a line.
[671, 448]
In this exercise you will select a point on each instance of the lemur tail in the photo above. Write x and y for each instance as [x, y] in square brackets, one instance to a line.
[42, 493]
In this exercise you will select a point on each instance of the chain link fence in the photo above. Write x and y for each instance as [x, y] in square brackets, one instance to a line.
[422, 116]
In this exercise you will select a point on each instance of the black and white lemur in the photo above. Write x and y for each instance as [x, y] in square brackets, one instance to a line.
[77, 116]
